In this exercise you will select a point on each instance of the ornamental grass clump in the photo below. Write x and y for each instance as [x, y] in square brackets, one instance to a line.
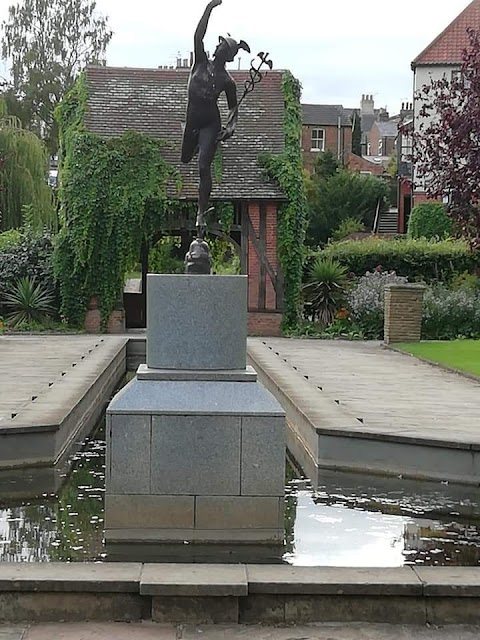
[326, 290]
[29, 302]
[366, 301]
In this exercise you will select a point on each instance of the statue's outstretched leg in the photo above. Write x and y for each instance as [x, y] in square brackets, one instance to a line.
[207, 146]
[189, 143]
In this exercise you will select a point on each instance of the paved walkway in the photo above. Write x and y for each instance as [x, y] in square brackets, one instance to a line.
[146, 631]
[381, 391]
[43, 369]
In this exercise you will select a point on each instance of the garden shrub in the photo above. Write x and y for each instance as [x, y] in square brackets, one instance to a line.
[347, 227]
[450, 313]
[429, 220]
[161, 258]
[32, 258]
[10, 238]
[366, 302]
[421, 259]
[325, 291]
[28, 302]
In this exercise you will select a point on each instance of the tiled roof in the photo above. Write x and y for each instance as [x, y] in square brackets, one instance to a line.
[153, 102]
[368, 120]
[387, 129]
[325, 114]
[447, 48]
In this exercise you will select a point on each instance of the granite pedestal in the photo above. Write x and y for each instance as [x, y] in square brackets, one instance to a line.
[195, 444]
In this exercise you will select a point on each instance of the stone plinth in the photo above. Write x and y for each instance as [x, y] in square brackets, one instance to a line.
[196, 445]
[403, 312]
[196, 322]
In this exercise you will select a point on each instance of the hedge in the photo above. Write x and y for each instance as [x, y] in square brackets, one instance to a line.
[429, 220]
[421, 259]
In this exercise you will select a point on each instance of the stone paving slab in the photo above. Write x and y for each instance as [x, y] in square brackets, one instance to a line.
[272, 579]
[194, 580]
[333, 632]
[41, 376]
[66, 577]
[12, 633]
[149, 631]
[99, 631]
[449, 581]
[373, 390]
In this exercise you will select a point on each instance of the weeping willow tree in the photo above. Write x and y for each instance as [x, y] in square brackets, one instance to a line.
[24, 192]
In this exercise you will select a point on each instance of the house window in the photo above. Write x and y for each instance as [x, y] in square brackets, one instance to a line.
[456, 75]
[380, 147]
[318, 139]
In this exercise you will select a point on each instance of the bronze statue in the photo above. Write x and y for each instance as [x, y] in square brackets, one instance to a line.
[203, 130]
[197, 260]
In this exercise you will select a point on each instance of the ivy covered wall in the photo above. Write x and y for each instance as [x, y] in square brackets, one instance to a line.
[113, 196]
[287, 170]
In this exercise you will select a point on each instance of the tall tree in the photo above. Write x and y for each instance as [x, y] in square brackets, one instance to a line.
[356, 134]
[326, 165]
[447, 142]
[24, 192]
[47, 43]
[334, 198]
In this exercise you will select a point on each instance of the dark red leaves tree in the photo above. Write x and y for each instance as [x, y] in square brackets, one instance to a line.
[447, 142]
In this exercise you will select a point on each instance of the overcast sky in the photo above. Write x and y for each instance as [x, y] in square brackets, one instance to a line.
[339, 49]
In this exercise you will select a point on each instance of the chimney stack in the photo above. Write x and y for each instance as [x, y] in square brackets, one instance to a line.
[367, 105]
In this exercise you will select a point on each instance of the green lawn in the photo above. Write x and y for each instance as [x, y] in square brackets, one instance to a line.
[458, 354]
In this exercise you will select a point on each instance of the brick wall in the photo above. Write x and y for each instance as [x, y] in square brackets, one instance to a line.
[403, 313]
[374, 138]
[264, 324]
[331, 142]
[419, 197]
[264, 315]
[264, 219]
[358, 164]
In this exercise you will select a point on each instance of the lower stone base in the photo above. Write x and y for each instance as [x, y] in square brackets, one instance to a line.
[16, 607]
[201, 519]
[195, 553]
[195, 610]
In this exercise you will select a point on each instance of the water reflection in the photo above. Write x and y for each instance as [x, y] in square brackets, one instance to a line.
[348, 520]
[63, 527]
[333, 527]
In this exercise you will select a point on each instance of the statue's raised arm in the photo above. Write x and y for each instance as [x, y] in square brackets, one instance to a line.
[201, 30]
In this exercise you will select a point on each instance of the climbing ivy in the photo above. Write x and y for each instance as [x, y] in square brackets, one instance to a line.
[287, 170]
[113, 197]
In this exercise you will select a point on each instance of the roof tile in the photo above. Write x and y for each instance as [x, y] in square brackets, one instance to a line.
[447, 48]
[153, 102]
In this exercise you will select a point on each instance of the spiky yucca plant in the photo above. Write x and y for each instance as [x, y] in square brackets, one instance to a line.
[325, 291]
[30, 302]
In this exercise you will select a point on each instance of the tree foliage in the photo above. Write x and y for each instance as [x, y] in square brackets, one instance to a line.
[23, 172]
[429, 220]
[287, 170]
[357, 134]
[48, 42]
[113, 198]
[343, 195]
[446, 144]
[326, 165]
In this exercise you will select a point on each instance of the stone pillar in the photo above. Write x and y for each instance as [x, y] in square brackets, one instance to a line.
[195, 445]
[403, 312]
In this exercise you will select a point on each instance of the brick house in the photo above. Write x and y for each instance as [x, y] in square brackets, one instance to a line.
[153, 102]
[325, 128]
[442, 58]
[382, 137]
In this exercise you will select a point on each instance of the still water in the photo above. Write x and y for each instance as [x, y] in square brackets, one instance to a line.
[348, 520]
